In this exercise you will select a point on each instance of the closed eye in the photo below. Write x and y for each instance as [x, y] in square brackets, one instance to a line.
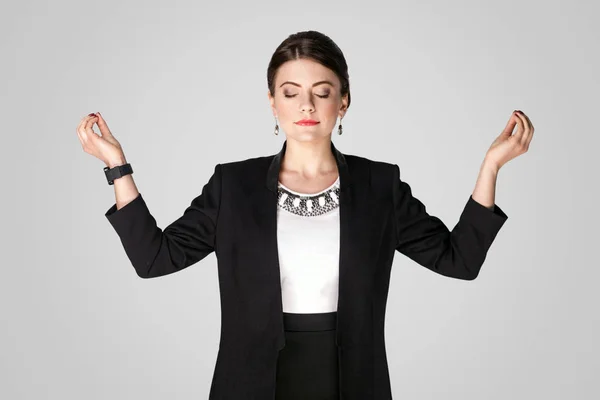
[323, 97]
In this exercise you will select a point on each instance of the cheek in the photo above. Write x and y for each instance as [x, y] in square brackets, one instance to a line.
[331, 110]
[284, 109]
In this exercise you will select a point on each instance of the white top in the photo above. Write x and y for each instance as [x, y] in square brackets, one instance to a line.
[308, 236]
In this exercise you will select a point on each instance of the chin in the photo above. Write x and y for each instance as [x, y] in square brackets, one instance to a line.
[308, 136]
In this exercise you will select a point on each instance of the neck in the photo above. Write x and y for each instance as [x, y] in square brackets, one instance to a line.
[309, 159]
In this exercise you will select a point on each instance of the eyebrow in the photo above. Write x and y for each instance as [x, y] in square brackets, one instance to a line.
[314, 84]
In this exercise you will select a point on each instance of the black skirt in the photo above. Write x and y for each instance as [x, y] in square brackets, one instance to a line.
[307, 367]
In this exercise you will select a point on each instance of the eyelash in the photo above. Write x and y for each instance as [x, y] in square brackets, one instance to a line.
[323, 97]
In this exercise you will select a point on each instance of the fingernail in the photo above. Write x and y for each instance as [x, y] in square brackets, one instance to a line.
[91, 115]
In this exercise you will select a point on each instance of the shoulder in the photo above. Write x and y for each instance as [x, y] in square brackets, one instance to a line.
[380, 172]
[247, 163]
[376, 166]
[245, 172]
[360, 161]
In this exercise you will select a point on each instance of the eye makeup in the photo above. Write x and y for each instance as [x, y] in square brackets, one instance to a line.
[321, 96]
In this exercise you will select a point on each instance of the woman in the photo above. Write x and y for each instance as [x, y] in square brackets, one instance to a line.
[305, 238]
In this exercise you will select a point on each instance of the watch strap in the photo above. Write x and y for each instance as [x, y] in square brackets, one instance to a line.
[117, 172]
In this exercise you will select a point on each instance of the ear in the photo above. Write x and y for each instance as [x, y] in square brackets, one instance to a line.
[271, 102]
[344, 106]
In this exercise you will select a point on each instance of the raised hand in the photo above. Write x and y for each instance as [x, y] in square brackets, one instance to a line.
[103, 146]
[508, 146]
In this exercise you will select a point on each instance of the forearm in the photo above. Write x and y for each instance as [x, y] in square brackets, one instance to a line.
[125, 188]
[485, 187]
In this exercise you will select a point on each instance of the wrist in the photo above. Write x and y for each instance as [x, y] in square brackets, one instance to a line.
[491, 166]
[114, 162]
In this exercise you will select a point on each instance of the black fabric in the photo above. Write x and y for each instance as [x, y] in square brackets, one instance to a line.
[309, 322]
[307, 367]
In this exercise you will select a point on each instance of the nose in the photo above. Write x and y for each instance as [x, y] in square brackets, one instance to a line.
[307, 105]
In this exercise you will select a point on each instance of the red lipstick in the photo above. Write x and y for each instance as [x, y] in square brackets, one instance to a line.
[307, 122]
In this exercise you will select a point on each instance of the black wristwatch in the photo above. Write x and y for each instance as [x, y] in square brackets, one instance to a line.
[117, 172]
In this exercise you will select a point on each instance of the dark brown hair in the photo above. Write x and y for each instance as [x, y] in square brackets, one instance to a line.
[314, 46]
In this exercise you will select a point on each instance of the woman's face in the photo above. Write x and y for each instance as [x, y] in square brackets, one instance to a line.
[304, 89]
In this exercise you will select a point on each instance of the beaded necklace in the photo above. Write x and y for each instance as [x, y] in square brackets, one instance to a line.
[309, 205]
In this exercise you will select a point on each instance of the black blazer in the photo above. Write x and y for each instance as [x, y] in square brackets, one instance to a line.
[236, 217]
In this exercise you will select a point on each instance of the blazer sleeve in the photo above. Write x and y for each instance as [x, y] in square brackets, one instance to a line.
[154, 252]
[425, 239]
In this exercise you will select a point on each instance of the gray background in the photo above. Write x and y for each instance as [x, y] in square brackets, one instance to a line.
[183, 87]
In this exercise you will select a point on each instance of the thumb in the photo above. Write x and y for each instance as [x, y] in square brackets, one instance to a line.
[103, 126]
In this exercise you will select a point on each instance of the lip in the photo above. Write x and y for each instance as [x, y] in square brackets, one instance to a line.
[307, 122]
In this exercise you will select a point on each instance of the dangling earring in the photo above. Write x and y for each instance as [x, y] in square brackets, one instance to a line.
[276, 127]
[340, 127]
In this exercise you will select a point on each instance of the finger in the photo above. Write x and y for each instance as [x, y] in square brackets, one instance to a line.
[531, 133]
[525, 119]
[529, 122]
[78, 130]
[102, 125]
[79, 136]
[82, 135]
[526, 128]
[520, 127]
[81, 129]
[89, 125]
[510, 126]
[83, 121]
